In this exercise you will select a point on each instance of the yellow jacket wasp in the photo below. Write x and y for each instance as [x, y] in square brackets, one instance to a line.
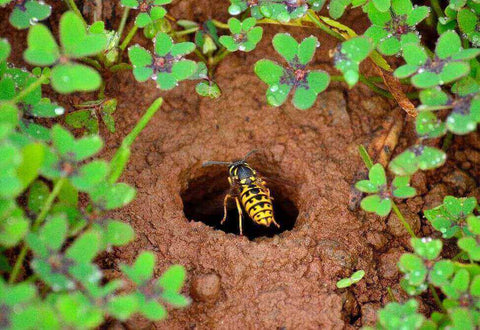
[249, 191]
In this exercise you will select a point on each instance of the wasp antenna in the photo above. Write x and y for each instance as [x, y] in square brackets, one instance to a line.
[215, 163]
[251, 152]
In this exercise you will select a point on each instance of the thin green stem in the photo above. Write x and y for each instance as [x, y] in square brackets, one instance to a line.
[121, 27]
[185, 32]
[368, 82]
[219, 24]
[436, 8]
[73, 6]
[129, 37]
[434, 293]
[375, 88]
[38, 221]
[120, 67]
[459, 255]
[217, 58]
[402, 220]
[121, 156]
[92, 62]
[200, 55]
[365, 156]
[434, 107]
[101, 92]
[324, 27]
[30, 88]
[390, 294]
[447, 141]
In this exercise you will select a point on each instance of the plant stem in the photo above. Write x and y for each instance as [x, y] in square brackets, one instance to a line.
[121, 156]
[72, 5]
[120, 67]
[434, 293]
[38, 221]
[369, 163]
[200, 56]
[458, 255]
[375, 88]
[368, 82]
[121, 27]
[92, 62]
[217, 58]
[402, 220]
[390, 294]
[447, 141]
[436, 8]
[365, 156]
[129, 37]
[219, 24]
[324, 27]
[185, 32]
[30, 88]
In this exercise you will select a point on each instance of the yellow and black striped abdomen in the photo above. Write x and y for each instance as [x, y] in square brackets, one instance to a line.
[257, 203]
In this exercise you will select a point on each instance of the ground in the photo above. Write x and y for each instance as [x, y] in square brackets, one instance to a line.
[282, 280]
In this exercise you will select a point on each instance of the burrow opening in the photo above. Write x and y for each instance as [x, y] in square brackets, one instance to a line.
[203, 201]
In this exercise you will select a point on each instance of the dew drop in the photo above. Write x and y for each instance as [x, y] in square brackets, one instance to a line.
[59, 111]
[273, 88]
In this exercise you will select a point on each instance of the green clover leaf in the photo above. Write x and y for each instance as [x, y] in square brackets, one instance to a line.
[29, 12]
[429, 126]
[417, 157]
[349, 55]
[150, 10]
[279, 10]
[245, 35]
[66, 76]
[449, 64]
[167, 65]
[396, 316]
[381, 200]
[468, 25]
[392, 29]
[449, 217]
[305, 83]
[349, 281]
[5, 49]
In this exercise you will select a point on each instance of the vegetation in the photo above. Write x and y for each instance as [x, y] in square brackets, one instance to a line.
[54, 235]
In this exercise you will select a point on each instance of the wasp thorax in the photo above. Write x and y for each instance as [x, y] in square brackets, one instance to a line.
[252, 3]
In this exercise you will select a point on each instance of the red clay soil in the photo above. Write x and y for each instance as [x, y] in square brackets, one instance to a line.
[282, 282]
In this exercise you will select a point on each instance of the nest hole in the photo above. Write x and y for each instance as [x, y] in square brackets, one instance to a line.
[203, 201]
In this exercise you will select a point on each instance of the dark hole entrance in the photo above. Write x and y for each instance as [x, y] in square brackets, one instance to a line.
[203, 201]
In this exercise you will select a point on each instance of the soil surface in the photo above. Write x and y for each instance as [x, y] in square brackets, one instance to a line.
[266, 279]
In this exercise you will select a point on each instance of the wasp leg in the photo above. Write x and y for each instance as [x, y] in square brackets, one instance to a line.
[239, 208]
[276, 224]
[269, 194]
[225, 201]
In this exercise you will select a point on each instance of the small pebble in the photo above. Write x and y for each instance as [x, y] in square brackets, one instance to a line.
[206, 287]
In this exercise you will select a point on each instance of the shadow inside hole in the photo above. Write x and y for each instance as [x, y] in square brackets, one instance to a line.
[203, 201]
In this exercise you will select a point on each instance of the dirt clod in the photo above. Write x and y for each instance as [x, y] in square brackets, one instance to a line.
[460, 181]
[206, 287]
[435, 196]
